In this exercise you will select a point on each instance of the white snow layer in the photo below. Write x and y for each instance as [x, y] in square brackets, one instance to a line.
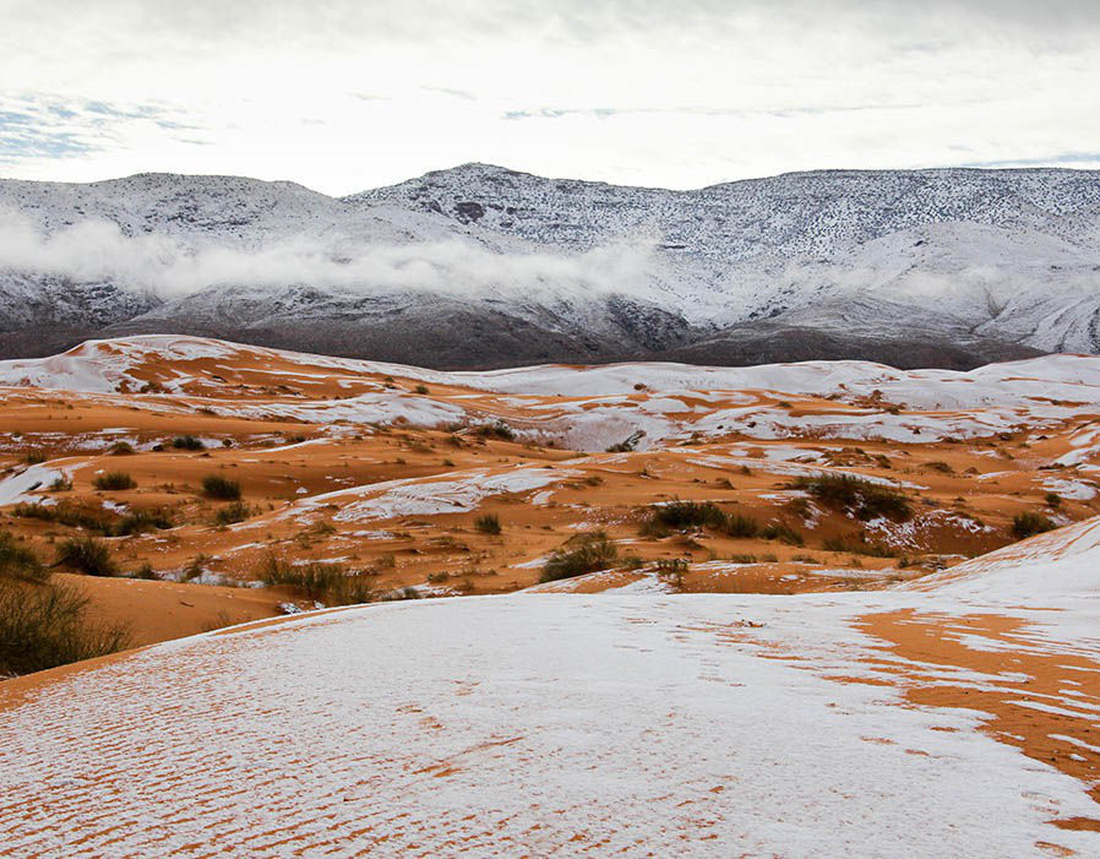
[543, 725]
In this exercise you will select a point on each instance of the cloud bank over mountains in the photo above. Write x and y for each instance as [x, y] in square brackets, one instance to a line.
[98, 250]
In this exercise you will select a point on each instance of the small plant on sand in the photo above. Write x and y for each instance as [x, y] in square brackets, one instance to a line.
[1028, 524]
[314, 579]
[628, 444]
[496, 429]
[866, 500]
[488, 524]
[680, 515]
[857, 544]
[783, 533]
[44, 625]
[672, 570]
[187, 442]
[220, 488]
[140, 521]
[88, 555]
[18, 562]
[581, 554]
[236, 511]
[121, 448]
[114, 481]
[145, 571]
[741, 526]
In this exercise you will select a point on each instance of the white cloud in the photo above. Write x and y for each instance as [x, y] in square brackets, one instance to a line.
[347, 95]
[97, 250]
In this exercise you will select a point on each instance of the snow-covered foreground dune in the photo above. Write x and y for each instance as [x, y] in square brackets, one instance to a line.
[895, 723]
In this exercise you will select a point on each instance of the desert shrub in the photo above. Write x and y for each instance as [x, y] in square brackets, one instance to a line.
[187, 442]
[488, 524]
[741, 526]
[1028, 524]
[114, 481]
[19, 562]
[34, 457]
[95, 520]
[349, 590]
[941, 466]
[1053, 499]
[866, 499]
[628, 444]
[237, 511]
[220, 488]
[87, 554]
[857, 544]
[783, 533]
[582, 553]
[313, 579]
[680, 515]
[43, 626]
[140, 521]
[496, 429]
[672, 569]
[145, 571]
[121, 448]
[406, 593]
[195, 567]
[61, 484]
[64, 514]
[421, 389]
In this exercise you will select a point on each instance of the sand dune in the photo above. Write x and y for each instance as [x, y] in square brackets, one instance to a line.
[671, 699]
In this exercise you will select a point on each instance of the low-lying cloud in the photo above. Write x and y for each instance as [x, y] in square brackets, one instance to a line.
[97, 250]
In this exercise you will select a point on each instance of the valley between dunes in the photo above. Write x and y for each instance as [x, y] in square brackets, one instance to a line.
[823, 619]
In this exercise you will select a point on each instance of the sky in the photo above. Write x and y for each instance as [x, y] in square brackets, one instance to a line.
[342, 96]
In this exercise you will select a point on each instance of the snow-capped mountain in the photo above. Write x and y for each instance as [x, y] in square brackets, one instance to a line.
[482, 266]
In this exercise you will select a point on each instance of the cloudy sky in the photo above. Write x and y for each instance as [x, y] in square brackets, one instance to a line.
[343, 95]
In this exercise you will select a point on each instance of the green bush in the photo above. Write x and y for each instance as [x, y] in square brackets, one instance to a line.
[866, 499]
[64, 514]
[496, 429]
[628, 444]
[140, 521]
[350, 590]
[687, 515]
[857, 544]
[89, 555]
[680, 515]
[187, 442]
[114, 481]
[1029, 524]
[121, 448]
[488, 524]
[741, 526]
[237, 511]
[583, 553]
[313, 579]
[783, 533]
[94, 520]
[43, 626]
[19, 562]
[220, 488]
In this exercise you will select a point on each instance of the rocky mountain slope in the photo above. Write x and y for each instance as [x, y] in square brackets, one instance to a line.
[482, 266]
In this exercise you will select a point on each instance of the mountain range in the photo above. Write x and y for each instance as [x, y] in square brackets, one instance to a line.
[480, 266]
